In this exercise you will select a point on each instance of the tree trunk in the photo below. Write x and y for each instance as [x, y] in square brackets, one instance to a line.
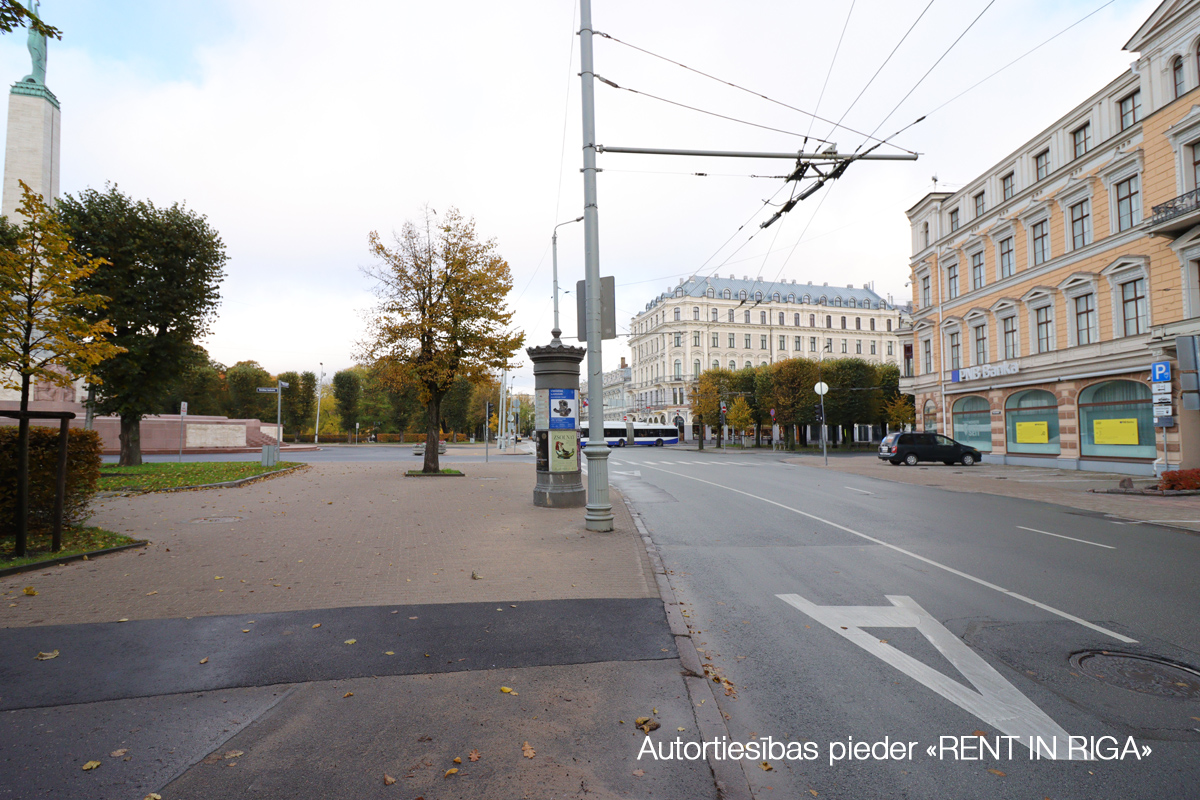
[700, 438]
[433, 426]
[131, 440]
[21, 523]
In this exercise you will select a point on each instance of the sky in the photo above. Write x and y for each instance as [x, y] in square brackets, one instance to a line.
[298, 127]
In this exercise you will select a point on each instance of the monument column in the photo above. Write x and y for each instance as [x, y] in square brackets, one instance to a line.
[31, 153]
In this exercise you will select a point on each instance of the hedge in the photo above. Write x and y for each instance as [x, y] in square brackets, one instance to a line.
[83, 471]
[1180, 479]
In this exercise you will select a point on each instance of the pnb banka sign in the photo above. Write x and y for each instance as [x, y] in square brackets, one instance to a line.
[984, 371]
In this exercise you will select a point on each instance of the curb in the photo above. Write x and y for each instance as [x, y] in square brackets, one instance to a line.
[53, 562]
[412, 473]
[223, 485]
[729, 776]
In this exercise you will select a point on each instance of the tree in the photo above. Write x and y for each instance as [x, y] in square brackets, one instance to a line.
[163, 271]
[899, 411]
[245, 401]
[853, 394]
[290, 402]
[740, 415]
[201, 385]
[14, 15]
[792, 386]
[711, 389]
[456, 406]
[49, 330]
[306, 400]
[347, 391]
[441, 310]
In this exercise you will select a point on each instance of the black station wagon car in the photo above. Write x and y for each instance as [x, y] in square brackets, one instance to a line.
[911, 448]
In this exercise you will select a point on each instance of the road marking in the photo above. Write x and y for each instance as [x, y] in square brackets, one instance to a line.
[1119, 637]
[994, 700]
[851, 488]
[1072, 538]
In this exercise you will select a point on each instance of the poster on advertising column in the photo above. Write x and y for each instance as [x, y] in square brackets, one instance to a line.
[564, 451]
[1115, 431]
[563, 409]
[1033, 432]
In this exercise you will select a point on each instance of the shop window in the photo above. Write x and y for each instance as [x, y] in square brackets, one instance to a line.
[929, 416]
[972, 418]
[1031, 422]
[1116, 419]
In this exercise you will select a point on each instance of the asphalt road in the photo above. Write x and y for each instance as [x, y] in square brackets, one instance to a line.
[465, 453]
[846, 610]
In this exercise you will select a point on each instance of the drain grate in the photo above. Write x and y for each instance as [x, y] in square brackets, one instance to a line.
[1140, 673]
[217, 520]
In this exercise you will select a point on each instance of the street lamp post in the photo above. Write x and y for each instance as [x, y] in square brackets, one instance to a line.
[554, 261]
[821, 390]
[320, 380]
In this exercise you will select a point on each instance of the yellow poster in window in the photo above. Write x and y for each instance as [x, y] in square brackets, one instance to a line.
[1033, 432]
[1115, 431]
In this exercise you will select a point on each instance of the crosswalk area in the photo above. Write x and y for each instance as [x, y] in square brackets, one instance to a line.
[692, 463]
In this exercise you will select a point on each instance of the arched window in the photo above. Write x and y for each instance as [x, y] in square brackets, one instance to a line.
[679, 291]
[822, 301]
[796, 320]
[727, 294]
[1116, 418]
[929, 416]
[972, 417]
[677, 315]
[775, 297]
[1031, 422]
[758, 296]
[791, 298]
[711, 292]
[731, 315]
[872, 323]
[696, 368]
[678, 369]
[695, 312]
[742, 294]
[749, 365]
[889, 324]
[837, 301]
[843, 323]
[812, 320]
[858, 323]
[733, 366]
[807, 299]
[1177, 76]
[716, 364]
[714, 315]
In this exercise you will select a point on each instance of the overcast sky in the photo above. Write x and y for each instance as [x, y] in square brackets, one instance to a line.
[299, 127]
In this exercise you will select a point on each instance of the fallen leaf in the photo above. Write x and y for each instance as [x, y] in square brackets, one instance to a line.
[245, 630]
[90, 765]
[527, 751]
[150, 593]
[123, 619]
[652, 725]
[637, 773]
[641, 720]
[457, 760]
[388, 780]
[29, 590]
[451, 771]
[217, 578]
[213, 759]
[681, 730]
[411, 617]
[119, 753]
[766, 767]
[996, 772]
[46, 656]
[317, 625]
[980, 733]
[813, 792]
[389, 653]
[348, 694]
[654, 711]
[350, 641]
[153, 796]
[233, 753]
[474, 755]
[506, 690]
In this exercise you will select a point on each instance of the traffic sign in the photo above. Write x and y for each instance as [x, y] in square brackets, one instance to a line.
[268, 389]
[821, 388]
[183, 408]
[1164, 410]
[1160, 371]
[1164, 422]
[722, 406]
[772, 413]
[1161, 390]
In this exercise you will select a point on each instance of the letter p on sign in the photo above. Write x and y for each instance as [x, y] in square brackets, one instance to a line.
[1160, 371]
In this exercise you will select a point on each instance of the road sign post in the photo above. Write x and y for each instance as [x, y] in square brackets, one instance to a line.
[270, 452]
[182, 414]
[821, 388]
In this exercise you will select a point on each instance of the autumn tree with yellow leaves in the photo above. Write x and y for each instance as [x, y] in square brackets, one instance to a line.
[441, 310]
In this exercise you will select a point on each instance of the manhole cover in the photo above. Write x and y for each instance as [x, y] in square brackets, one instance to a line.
[1138, 673]
[209, 520]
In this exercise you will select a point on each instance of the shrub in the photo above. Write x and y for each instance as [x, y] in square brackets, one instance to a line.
[1180, 479]
[83, 471]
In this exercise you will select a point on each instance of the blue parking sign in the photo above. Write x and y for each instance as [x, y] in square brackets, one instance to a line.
[1160, 371]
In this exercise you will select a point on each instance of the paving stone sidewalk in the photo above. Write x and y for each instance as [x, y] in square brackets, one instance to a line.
[336, 535]
[1064, 487]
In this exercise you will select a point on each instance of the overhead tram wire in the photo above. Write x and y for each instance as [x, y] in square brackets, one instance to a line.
[832, 61]
[731, 84]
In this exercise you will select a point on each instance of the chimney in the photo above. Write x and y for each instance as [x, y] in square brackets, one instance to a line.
[622, 362]
[760, 278]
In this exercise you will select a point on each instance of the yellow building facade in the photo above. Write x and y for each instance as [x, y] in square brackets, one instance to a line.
[1045, 289]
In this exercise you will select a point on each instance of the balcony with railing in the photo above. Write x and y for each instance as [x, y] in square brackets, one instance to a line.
[1176, 216]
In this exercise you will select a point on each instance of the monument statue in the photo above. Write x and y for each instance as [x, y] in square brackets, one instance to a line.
[37, 52]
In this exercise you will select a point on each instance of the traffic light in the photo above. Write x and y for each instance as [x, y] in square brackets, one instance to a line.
[818, 416]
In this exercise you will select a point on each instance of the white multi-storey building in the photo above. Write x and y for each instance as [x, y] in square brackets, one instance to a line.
[617, 394]
[704, 323]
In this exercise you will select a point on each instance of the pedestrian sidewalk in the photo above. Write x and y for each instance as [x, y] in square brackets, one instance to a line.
[1064, 487]
[340, 627]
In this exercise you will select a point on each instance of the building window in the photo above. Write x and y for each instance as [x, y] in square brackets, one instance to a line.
[716, 364]
[1133, 306]
[812, 344]
[929, 412]
[1008, 186]
[1081, 224]
[812, 320]
[952, 281]
[695, 338]
[758, 296]
[677, 317]
[716, 339]
[695, 312]
[979, 205]
[858, 323]
[1041, 163]
[762, 342]
[972, 417]
[1196, 166]
[762, 318]
[727, 294]
[1085, 318]
[731, 315]
[1131, 110]
[748, 365]
[678, 338]
[732, 366]
[926, 296]
[1041, 242]
[696, 368]
[980, 334]
[678, 369]
[1006, 257]
[1045, 329]
[955, 352]
[742, 294]
[714, 315]
[746, 340]
[1129, 204]
[1081, 139]
[889, 348]
[746, 317]
[954, 219]
[872, 347]
[1031, 422]
[858, 346]
[782, 343]
[977, 270]
[799, 343]
[731, 337]
[927, 355]
[1123, 405]
[780, 317]
[844, 350]
[828, 321]
[1177, 77]
[795, 320]
[1012, 344]
[925, 233]
[843, 323]
[889, 325]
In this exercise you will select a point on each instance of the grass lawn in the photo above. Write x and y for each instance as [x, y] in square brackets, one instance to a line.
[172, 474]
[442, 472]
[75, 541]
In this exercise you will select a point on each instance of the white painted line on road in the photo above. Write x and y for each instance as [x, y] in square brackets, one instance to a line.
[1072, 538]
[993, 700]
[1119, 637]
[864, 491]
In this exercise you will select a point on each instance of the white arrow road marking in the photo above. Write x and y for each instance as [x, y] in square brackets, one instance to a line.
[851, 488]
[996, 701]
[1072, 538]
[1091, 625]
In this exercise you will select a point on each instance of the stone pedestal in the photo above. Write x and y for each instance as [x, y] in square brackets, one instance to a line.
[556, 370]
[31, 152]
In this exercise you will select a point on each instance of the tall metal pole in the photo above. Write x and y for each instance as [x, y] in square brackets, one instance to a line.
[599, 516]
[554, 250]
[317, 430]
[500, 426]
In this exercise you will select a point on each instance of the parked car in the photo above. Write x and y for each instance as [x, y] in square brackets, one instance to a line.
[419, 448]
[912, 448]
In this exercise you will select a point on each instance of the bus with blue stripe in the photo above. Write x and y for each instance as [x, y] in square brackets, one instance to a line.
[616, 434]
